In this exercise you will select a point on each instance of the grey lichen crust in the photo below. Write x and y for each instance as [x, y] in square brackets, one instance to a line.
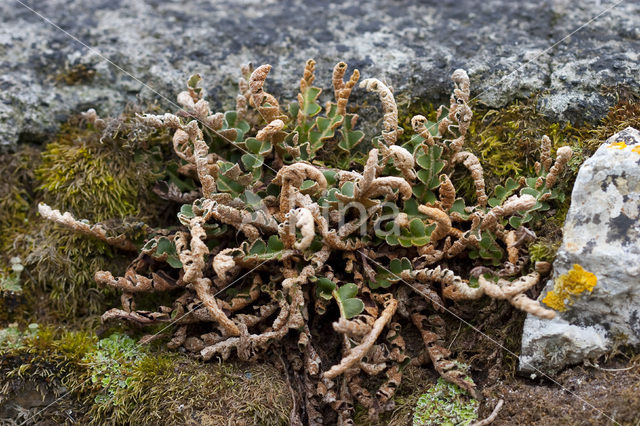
[45, 75]
[602, 235]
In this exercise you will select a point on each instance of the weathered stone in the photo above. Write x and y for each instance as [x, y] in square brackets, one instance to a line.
[601, 234]
[45, 75]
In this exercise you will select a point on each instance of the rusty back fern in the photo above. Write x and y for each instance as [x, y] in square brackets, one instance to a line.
[292, 226]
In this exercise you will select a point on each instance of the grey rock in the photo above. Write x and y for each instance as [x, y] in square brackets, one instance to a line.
[154, 46]
[601, 234]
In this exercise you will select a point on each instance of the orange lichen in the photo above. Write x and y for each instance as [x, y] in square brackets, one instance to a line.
[636, 149]
[574, 282]
[618, 145]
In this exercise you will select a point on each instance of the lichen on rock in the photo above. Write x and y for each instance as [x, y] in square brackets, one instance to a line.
[573, 283]
[601, 235]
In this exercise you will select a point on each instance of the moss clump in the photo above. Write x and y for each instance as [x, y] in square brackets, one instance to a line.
[17, 188]
[101, 174]
[75, 75]
[10, 289]
[113, 380]
[544, 250]
[16, 195]
[445, 404]
[36, 366]
[573, 283]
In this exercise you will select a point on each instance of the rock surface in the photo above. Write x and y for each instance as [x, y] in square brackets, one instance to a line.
[601, 234]
[45, 74]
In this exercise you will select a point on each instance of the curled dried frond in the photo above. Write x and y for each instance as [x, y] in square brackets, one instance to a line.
[472, 164]
[441, 219]
[459, 110]
[447, 192]
[307, 78]
[98, 230]
[419, 125]
[203, 288]
[265, 103]
[342, 90]
[512, 250]
[403, 160]
[439, 355]
[291, 178]
[389, 108]
[545, 154]
[304, 221]
[135, 283]
[295, 174]
[201, 151]
[357, 353]
[514, 293]
[562, 158]
[269, 130]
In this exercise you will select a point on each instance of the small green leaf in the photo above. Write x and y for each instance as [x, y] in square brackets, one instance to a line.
[405, 241]
[350, 138]
[231, 122]
[165, 246]
[515, 221]
[187, 210]
[174, 261]
[325, 287]
[265, 148]
[293, 109]
[330, 175]
[347, 189]
[395, 266]
[348, 290]
[417, 228]
[310, 107]
[423, 194]
[530, 191]
[252, 161]
[194, 80]
[253, 145]
[258, 247]
[227, 185]
[392, 240]
[307, 184]
[275, 244]
[352, 307]
[349, 305]
[459, 207]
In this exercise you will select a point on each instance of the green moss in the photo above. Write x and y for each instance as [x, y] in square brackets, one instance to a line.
[17, 188]
[76, 74]
[212, 394]
[543, 250]
[445, 404]
[113, 380]
[16, 195]
[96, 176]
[507, 140]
